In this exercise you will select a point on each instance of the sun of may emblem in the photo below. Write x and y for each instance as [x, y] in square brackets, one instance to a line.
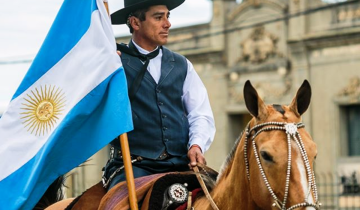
[42, 108]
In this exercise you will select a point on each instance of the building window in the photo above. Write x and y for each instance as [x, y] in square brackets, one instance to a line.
[237, 124]
[352, 117]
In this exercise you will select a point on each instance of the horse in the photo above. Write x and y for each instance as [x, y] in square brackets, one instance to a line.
[271, 164]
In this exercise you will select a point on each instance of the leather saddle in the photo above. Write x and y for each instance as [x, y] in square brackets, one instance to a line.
[155, 192]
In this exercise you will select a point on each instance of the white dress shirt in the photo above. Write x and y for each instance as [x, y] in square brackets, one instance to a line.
[195, 100]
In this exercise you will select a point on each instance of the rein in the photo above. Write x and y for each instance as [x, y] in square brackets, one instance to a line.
[292, 133]
[203, 186]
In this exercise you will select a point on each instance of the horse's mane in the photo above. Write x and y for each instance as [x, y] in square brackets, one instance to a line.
[52, 195]
[230, 156]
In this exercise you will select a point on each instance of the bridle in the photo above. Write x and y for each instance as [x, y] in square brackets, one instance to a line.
[292, 133]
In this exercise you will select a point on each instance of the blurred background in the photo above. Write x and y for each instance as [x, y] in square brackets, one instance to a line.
[274, 43]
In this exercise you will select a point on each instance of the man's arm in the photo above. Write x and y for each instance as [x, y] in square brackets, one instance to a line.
[200, 116]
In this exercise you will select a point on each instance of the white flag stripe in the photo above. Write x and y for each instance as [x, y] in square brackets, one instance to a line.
[68, 75]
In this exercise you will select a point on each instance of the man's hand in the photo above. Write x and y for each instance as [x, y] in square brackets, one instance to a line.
[118, 52]
[196, 156]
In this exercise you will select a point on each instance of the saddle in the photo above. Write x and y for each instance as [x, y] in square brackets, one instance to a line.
[154, 192]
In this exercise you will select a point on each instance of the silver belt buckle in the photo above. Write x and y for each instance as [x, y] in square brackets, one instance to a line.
[163, 156]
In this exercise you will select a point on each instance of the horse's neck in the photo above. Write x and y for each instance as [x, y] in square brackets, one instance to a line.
[232, 189]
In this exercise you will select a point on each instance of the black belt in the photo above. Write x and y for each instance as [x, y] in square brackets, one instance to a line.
[116, 153]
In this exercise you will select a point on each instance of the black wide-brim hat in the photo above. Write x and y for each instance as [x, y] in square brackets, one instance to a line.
[121, 16]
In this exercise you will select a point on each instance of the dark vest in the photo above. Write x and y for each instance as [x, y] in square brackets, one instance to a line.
[159, 117]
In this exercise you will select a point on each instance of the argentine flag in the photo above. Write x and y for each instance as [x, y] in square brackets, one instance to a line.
[72, 102]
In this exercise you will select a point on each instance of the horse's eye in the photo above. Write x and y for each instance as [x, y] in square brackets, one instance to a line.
[266, 156]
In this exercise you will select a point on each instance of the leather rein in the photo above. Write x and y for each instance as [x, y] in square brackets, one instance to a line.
[203, 186]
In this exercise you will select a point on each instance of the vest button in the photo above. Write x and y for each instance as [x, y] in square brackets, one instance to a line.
[160, 103]
[166, 140]
[164, 116]
[158, 91]
[164, 128]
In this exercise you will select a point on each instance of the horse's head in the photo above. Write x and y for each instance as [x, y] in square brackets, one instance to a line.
[279, 153]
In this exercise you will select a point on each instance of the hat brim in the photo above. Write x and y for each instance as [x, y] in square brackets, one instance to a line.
[120, 17]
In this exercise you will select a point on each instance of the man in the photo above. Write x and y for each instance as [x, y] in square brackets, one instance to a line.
[173, 120]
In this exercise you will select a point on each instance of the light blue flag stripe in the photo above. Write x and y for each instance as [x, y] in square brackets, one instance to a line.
[65, 33]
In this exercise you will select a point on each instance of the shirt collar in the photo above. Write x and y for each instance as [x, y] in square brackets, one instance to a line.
[141, 50]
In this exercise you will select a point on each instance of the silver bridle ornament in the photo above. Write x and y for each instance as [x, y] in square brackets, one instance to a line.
[291, 131]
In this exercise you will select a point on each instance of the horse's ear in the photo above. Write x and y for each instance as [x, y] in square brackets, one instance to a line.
[254, 103]
[301, 101]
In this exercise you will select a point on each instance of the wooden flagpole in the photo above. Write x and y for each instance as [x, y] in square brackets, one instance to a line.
[128, 171]
[124, 142]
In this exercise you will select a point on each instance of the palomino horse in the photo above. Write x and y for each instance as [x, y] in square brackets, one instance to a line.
[271, 164]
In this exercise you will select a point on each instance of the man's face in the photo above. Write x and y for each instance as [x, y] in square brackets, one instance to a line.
[154, 31]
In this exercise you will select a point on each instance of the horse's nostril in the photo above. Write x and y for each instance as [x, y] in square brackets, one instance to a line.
[266, 156]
